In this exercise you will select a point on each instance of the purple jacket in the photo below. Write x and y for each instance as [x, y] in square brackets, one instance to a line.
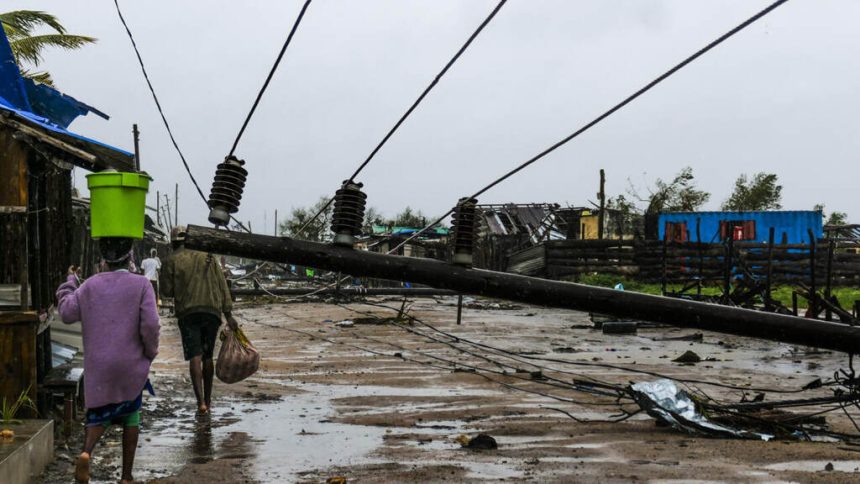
[119, 322]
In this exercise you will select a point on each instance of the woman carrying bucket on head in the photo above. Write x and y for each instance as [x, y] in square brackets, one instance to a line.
[119, 323]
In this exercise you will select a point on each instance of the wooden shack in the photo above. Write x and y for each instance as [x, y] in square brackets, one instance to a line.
[37, 155]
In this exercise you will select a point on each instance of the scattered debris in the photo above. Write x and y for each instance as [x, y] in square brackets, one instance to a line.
[537, 375]
[689, 357]
[829, 467]
[663, 400]
[479, 442]
[564, 349]
[619, 327]
[346, 323]
[336, 480]
[687, 337]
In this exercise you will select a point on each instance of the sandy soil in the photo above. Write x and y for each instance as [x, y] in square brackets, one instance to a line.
[376, 403]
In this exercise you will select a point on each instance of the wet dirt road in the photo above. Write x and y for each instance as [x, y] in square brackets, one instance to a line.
[378, 403]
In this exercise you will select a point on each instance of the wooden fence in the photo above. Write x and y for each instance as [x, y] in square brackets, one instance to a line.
[681, 262]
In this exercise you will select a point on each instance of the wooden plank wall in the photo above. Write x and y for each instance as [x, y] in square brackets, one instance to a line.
[644, 261]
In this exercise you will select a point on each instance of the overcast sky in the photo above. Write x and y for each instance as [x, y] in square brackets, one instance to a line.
[780, 97]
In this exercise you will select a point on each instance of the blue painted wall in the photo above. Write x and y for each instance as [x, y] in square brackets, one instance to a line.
[794, 224]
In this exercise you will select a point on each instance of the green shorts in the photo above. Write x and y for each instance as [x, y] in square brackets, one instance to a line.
[130, 420]
[199, 331]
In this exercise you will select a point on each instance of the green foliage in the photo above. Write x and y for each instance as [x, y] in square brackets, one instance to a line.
[625, 220]
[28, 48]
[8, 410]
[298, 224]
[372, 217]
[835, 218]
[408, 218]
[678, 195]
[762, 192]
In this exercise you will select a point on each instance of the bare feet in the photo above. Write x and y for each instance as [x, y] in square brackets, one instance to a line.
[82, 468]
[202, 409]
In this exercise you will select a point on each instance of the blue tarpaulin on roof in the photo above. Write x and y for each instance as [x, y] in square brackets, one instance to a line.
[39, 104]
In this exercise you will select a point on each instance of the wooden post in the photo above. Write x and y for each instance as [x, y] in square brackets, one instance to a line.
[831, 247]
[769, 278]
[601, 217]
[813, 307]
[158, 207]
[727, 270]
[176, 205]
[276, 222]
[459, 308]
[169, 215]
[663, 274]
[136, 134]
[701, 256]
[531, 290]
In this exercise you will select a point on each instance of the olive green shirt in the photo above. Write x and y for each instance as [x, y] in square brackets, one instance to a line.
[195, 282]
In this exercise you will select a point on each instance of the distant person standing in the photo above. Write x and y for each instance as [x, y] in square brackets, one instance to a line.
[120, 327]
[150, 267]
[200, 296]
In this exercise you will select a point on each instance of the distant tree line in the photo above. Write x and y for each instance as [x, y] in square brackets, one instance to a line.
[299, 224]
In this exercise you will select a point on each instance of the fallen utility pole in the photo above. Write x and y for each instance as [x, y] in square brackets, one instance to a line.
[345, 291]
[677, 312]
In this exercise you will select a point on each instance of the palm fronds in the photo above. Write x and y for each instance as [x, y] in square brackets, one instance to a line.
[20, 27]
[29, 49]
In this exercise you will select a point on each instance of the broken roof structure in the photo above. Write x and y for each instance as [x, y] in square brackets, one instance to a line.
[539, 221]
[43, 114]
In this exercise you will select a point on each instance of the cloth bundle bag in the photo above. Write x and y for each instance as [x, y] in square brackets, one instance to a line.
[237, 359]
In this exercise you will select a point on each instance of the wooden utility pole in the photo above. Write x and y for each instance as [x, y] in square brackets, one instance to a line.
[158, 207]
[169, 215]
[176, 205]
[276, 222]
[601, 215]
[136, 134]
[531, 290]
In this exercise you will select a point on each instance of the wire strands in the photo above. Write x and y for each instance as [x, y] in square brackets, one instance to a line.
[613, 109]
[161, 113]
[157, 103]
[414, 105]
[269, 77]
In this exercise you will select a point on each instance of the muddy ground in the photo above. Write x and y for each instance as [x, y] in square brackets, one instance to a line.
[377, 403]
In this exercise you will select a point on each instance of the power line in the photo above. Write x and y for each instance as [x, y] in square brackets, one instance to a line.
[164, 118]
[611, 110]
[271, 74]
[412, 107]
[157, 103]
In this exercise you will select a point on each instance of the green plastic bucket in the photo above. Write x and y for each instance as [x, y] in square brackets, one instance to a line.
[117, 203]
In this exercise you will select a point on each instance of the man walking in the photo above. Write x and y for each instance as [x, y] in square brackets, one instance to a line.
[150, 267]
[200, 296]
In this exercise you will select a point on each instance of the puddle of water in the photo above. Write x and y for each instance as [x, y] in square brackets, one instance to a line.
[816, 465]
[292, 439]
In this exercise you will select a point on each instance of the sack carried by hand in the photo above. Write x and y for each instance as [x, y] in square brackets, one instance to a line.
[238, 359]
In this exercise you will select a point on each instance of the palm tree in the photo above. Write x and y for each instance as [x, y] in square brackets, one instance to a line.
[20, 25]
